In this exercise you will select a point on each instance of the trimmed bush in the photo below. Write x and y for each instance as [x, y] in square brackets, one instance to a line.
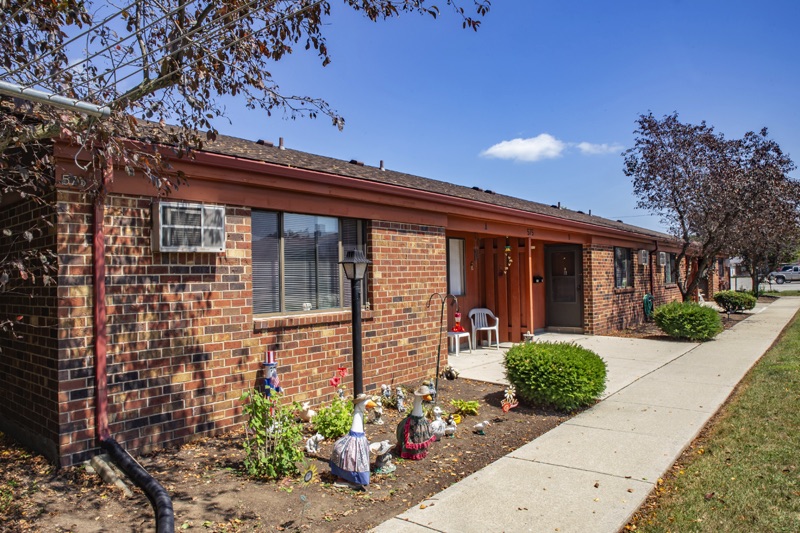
[688, 320]
[558, 374]
[735, 302]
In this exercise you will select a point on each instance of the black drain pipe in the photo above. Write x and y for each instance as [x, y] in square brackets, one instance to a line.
[159, 499]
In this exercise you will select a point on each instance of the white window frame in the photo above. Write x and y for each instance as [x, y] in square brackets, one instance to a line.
[456, 266]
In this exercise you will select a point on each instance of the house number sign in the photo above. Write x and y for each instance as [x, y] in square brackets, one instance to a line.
[73, 182]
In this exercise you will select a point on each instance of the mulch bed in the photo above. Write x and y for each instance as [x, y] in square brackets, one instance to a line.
[210, 493]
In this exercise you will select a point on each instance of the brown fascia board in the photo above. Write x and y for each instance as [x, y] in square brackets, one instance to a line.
[393, 186]
[394, 193]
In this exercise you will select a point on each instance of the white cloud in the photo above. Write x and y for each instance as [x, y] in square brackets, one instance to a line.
[543, 146]
[599, 149]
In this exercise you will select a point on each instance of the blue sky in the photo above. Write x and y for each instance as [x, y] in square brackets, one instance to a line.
[541, 101]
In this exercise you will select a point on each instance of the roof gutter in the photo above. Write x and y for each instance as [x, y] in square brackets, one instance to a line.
[42, 97]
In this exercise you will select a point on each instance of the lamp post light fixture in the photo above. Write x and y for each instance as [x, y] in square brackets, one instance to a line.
[355, 267]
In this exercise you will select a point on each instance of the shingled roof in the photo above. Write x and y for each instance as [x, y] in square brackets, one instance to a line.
[264, 151]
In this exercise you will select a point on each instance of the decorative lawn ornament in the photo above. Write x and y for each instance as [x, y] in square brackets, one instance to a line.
[383, 462]
[350, 457]
[312, 444]
[414, 432]
[378, 412]
[271, 381]
[510, 401]
[450, 428]
[438, 425]
[480, 428]
[401, 397]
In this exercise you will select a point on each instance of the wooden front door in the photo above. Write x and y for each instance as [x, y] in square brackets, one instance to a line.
[564, 286]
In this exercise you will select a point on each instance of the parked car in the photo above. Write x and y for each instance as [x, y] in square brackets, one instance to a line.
[786, 273]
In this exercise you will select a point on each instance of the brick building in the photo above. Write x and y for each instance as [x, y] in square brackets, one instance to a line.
[186, 328]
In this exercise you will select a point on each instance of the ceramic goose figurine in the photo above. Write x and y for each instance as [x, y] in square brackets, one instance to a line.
[350, 456]
[438, 425]
[414, 432]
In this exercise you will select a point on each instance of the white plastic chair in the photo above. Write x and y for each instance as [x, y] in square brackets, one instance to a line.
[480, 317]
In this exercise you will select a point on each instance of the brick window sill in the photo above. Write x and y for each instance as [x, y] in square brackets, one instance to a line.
[671, 286]
[311, 319]
[624, 290]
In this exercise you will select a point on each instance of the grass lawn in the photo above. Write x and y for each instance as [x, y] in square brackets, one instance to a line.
[744, 473]
[781, 293]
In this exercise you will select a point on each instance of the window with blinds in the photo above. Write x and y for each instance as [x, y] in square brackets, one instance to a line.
[296, 261]
[623, 268]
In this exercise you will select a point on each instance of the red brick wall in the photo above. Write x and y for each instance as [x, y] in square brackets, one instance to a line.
[29, 370]
[183, 342]
[607, 308]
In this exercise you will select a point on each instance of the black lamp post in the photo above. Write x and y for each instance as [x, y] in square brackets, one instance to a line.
[355, 267]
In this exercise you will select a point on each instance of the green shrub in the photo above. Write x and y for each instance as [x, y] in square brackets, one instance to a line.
[734, 302]
[688, 320]
[273, 437]
[559, 374]
[335, 420]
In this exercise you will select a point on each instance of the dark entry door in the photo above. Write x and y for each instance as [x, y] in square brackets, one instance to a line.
[564, 286]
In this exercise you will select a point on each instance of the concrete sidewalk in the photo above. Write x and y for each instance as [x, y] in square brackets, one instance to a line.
[592, 472]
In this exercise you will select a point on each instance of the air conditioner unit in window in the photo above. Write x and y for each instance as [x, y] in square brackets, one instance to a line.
[644, 257]
[185, 227]
[662, 259]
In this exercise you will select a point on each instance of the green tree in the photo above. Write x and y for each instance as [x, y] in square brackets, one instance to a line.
[768, 230]
[717, 196]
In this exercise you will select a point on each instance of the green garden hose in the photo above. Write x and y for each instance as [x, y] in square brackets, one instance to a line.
[648, 306]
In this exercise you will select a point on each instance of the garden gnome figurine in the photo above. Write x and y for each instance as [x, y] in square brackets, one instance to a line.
[401, 406]
[350, 457]
[378, 412]
[386, 390]
[414, 432]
